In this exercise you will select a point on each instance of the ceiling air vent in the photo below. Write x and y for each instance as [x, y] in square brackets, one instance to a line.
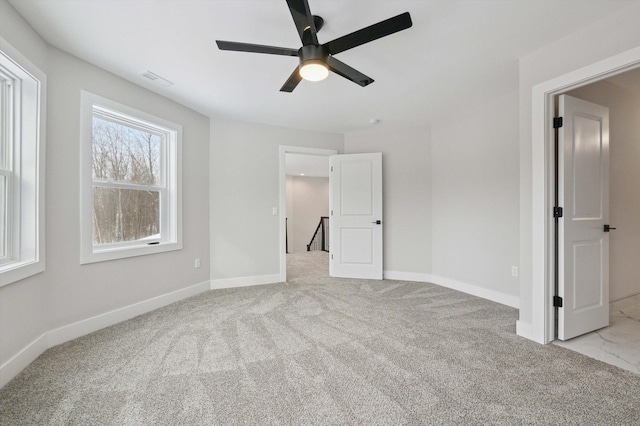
[156, 79]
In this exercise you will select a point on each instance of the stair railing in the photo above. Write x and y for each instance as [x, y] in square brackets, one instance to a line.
[320, 239]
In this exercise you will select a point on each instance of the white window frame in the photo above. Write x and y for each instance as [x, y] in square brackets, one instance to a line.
[170, 187]
[23, 156]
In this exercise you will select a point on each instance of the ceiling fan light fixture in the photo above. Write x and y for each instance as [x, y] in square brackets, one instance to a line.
[314, 70]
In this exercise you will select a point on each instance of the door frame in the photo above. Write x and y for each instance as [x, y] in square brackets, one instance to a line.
[282, 208]
[542, 137]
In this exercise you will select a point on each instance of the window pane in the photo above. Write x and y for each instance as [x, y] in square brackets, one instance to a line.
[125, 215]
[4, 124]
[125, 154]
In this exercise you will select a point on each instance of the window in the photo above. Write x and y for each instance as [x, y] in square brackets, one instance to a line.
[6, 136]
[130, 183]
[21, 159]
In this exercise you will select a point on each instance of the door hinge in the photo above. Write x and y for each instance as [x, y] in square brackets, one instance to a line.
[557, 212]
[331, 257]
[331, 168]
[557, 122]
[557, 302]
[331, 212]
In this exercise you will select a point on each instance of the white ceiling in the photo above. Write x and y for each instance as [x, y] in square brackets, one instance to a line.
[457, 53]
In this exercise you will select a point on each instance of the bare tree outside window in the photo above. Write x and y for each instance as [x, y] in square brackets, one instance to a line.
[127, 178]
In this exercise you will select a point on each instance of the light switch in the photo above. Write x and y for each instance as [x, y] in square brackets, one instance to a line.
[275, 211]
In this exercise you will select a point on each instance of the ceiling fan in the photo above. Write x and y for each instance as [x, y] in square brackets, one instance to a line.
[316, 60]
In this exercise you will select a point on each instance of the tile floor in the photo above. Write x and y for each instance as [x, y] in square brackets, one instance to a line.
[618, 344]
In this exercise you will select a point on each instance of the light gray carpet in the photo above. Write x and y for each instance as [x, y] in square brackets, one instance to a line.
[317, 350]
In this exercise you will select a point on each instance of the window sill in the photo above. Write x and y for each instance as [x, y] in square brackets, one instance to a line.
[16, 271]
[125, 252]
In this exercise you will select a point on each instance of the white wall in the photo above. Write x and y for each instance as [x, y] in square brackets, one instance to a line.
[406, 193]
[624, 190]
[309, 201]
[451, 199]
[244, 172]
[475, 197]
[68, 292]
[613, 35]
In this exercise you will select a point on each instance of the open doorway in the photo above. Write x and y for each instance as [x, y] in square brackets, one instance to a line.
[542, 254]
[542, 194]
[301, 199]
[619, 342]
[307, 215]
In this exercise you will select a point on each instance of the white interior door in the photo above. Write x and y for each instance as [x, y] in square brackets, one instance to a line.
[583, 189]
[355, 204]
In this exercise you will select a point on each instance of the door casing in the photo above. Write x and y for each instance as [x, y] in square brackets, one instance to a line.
[542, 257]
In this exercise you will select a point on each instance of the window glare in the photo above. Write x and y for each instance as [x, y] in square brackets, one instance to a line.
[125, 154]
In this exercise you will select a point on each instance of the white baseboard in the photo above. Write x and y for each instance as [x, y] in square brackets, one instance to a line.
[624, 303]
[22, 359]
[472, 289]
[244, 281]
[89, 325]
[524, 330]
[495, 296]
[407, 276]
[26, 356]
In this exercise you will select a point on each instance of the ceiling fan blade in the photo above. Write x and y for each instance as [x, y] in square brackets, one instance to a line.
[292, 82]
[304, 21]
[255, 48]
[370, 33]
[347, 72]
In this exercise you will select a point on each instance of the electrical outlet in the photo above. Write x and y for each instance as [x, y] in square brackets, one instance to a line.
[514, 271]
[197, 263]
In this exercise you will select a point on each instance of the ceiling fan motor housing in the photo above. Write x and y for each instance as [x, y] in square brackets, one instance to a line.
[312, 53]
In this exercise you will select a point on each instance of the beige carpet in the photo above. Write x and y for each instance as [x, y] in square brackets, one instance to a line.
[317, 350]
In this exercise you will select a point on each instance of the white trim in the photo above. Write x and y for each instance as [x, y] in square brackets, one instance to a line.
[283, 150]
[33, 350]
[472, 289]
[245, 281]
[542, 316]
[89, 325]
[524, 330]
[406, 276]
[22, 359]
[475, 290]
[33, 133]
[624, 303]
[171, 208]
